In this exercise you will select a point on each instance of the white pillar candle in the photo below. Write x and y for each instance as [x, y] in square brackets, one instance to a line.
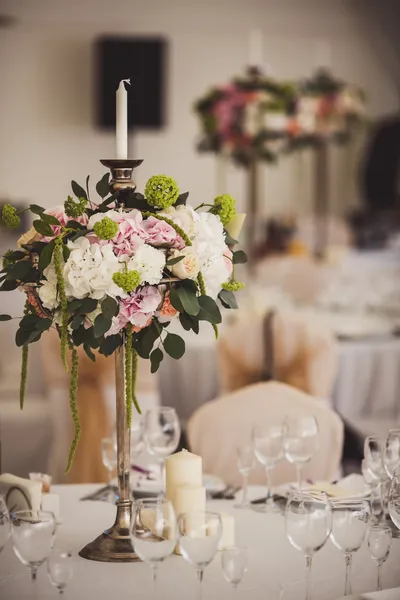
[235, 226]
[180, 468]
[122, 119]
[191, 498]
[256, 49]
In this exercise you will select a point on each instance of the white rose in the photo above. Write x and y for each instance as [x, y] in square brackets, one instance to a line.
[149, 262]
[188, 267]
[183, 216]
[48, 295]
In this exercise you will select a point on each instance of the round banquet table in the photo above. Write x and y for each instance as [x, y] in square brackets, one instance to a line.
[276, 570]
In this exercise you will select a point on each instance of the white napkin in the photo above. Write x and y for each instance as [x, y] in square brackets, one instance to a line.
[19, 493]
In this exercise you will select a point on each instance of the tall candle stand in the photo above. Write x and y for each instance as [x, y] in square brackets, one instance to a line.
[114, 544]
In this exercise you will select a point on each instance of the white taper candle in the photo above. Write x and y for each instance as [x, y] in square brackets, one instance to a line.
[122, 119]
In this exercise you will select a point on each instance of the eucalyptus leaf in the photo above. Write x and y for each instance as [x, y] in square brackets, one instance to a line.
[78, 234]
[174, 261]
[174, 345]
[19, 270]
[36, 209]
[17, 255]
[107, 201]
[189, 300]
[146, 339]
[5, 317]
[78, 190]
[155, 358]
[74, 305]
[227, 299]
[25, 336]
[182, 198]
[8, 286]
[101, 325]
[45, 255]
[209, 310]
[87, 306]
[87, 186]
[72, 224]
[110, 344]
[77, 321]
[89, 352]
[109, 307]
[49, 219]
[175, 300]
[185, 321]
[29, 322]
[43, 228]
[103, 186]
[229, 240]
[239, 257]
[43, 324]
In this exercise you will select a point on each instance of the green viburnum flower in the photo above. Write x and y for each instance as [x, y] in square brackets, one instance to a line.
[75, 208]
[233, 286]
[10, 217]
[106, 229]
[127, 281]
[161, 191]
[225, 208]
[6, 260]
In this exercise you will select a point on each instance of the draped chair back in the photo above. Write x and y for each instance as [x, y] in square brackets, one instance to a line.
[95, 420]
[219, 427]
[284, 345]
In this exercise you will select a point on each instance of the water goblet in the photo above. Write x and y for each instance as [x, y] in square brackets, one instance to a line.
[267, 445]
[308, 521]
[199, 536]
[162, 432]
[374, 449]
[391, 456]
[109, 459]
[154, 532]
[300, 442]
[60, 569]
[394, 498]
[245, 463]
[234, 564]
[137, 438]
[32, 536]
[5, 527]
[349, 528]
[379, 542]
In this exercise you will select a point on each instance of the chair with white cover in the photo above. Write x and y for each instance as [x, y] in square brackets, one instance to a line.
[301, 352]
[220, 426]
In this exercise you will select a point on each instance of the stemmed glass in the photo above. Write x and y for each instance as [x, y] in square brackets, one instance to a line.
[374, 450]
[349, 528]
[391, 457]
[32, 535]
[308, 519]
[300, 442]
[199, 536]
[154, 532]
[162, 432]
[379, 542]
[234, 564]
[137, 439]
[109, 458]
[5, 528]
[267, 445]
[394, 498]
[245, 463]
[60, 569]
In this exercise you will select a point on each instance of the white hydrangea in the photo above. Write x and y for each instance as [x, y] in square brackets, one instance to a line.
[89, 270]
[149, 262]
[215, 274]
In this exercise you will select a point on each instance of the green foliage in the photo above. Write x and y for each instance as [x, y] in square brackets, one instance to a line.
[209, 310]
[225, 208]
[10, 216]
[24, 373]
[49, 219]
[75, 209]
[45, 255]
[78, 190]
[156, 358]
[174, 345]
[73, 390]
[43, 228]
[103, 186]
[161, 191]
[101, 325]
[5, 317]
[239, 257]
[134, 378]
[109, 307]
[233, 286]
[58, 266]
[227, 299]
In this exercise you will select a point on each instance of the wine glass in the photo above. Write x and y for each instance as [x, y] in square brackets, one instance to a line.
[308, 520]
[374, 450]
[379, 542]
[5, 527]
[267, 445]
[60, 569]
[349, 528]
[32, 535]
[199, 536]
[234, 564]
[300, 441]
[162, 432]
[391, 457]
[394, 498]
[109, 458]
[245, 463]
[137, 439]
[154, 532]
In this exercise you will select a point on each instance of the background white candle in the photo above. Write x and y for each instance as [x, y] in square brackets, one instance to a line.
[256, 48]
[180, 468]
[122, 119]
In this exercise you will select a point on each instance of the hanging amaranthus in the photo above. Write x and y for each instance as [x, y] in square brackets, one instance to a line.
[58, 259]
[73, 390]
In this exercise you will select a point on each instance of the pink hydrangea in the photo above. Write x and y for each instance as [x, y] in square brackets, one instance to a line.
[138, 309]
[160, 233]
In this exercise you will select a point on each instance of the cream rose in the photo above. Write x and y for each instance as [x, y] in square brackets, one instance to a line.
[188, 267]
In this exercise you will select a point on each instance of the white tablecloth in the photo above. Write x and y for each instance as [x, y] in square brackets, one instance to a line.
[273, 563]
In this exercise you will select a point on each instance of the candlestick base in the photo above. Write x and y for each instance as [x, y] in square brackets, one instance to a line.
[121, 173]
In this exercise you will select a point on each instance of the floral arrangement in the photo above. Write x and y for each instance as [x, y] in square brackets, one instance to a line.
[246, 118]
[106, 274]
[327, 107]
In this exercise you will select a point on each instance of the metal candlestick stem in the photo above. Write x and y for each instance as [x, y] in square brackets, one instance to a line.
[114, 544]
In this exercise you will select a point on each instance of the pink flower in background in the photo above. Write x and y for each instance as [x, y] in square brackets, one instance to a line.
[158, 233]
[227, 109]
[59, 213]
[228, 254]
[138, 309]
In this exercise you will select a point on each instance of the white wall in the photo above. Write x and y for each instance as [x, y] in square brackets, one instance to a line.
[47, 136]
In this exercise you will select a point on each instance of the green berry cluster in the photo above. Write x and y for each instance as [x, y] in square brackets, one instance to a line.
[106, 229]
[75, 208]
[127, 281]
[233, 286]
[161, 191]
[10, 216]
[225, 208]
